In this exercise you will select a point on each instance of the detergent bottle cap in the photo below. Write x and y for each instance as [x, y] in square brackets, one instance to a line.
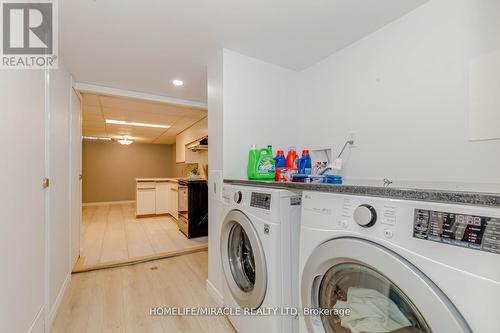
[280, 153]
[253, 147]
[305, 152]
[292, 148]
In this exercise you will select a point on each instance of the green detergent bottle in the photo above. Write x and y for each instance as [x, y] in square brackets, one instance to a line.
[260, 163]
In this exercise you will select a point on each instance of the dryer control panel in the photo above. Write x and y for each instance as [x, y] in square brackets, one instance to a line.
[474, 232]
[260, 200]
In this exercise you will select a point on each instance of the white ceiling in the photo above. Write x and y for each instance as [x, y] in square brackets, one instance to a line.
[97, 108]
[144, 45]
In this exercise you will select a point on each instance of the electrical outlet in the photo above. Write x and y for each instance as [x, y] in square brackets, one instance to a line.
[353, 137]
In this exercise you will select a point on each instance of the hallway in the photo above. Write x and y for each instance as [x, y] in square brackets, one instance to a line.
[119, 299]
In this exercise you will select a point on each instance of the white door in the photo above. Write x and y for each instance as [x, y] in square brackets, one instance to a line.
[162, 192]
[382, 292]
[22, 227]
[75, 175]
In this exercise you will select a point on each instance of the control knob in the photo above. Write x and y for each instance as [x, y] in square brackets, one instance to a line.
[365, 215]
[237, 197]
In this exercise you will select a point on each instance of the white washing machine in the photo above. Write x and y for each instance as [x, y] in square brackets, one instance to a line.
[380, 265]
[259, 254]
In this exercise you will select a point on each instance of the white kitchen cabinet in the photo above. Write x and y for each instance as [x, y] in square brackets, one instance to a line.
[193, 133]
[146, 201]
[162, 197]
[174, 209]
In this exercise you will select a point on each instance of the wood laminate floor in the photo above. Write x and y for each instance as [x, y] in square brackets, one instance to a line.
[112, 233]
[119, 299]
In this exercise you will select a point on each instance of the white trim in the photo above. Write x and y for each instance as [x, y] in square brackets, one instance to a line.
[92, 88]
[216, 295]
[58, 301]
[38, 324]
[103, 203]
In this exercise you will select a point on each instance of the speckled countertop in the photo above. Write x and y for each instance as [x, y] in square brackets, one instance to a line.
[452, 196]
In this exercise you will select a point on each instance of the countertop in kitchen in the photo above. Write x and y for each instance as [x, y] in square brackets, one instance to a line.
[486, 195]
[172, 180]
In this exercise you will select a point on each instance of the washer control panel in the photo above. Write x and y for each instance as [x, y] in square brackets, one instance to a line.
[469, 231]
[260, 200]
[365, 215]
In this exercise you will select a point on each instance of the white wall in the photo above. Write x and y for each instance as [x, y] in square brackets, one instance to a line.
[260, 107]
[404, 91]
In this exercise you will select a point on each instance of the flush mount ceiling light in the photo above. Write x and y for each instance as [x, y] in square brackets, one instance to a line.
[127, 123]
[125, 141]
[96, 138]
[178, 83]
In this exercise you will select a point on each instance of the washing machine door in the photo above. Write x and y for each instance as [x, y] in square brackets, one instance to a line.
[358, 286]
[243, 260]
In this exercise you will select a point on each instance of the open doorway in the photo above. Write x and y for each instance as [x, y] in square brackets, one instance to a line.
[140, 158]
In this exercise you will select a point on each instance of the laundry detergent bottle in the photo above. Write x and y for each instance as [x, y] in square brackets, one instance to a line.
[280, 164]
[261, 165]
[291, 158]
[304, 163]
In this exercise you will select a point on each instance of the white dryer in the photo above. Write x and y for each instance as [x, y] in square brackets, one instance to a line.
[259, 254]
[381, 265]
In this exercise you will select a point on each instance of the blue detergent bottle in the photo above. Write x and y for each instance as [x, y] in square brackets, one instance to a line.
[304, 163]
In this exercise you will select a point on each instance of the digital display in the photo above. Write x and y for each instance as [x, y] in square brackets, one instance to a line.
[261, 200]
[470, 231]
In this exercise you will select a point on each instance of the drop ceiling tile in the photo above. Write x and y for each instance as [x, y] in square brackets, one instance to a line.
[90, 99]
[92, 110]
[97, 108]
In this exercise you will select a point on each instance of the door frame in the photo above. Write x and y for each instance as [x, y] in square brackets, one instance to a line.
[77, 190]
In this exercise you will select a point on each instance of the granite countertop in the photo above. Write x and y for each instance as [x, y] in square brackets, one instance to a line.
[433, 193]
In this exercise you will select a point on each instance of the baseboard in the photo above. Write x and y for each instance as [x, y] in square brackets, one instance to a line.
[103, 203]
[57, 302]
[216, 295]
[38, 323]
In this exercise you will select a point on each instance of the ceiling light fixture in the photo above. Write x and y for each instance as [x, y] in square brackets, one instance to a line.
[178, 83]
[96, 138]
[125, 141]
[127, 123]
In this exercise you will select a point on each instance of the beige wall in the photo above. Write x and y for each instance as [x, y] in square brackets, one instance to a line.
[110, 169]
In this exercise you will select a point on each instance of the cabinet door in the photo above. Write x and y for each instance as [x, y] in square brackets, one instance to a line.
[146, 201]
[174, 201]
[162, 192]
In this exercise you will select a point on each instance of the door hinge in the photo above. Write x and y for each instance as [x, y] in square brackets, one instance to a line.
[45, 183]
[80, 177]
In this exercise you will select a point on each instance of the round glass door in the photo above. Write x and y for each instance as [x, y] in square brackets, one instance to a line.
[363, 300]
[358, 286]
[241, 259]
